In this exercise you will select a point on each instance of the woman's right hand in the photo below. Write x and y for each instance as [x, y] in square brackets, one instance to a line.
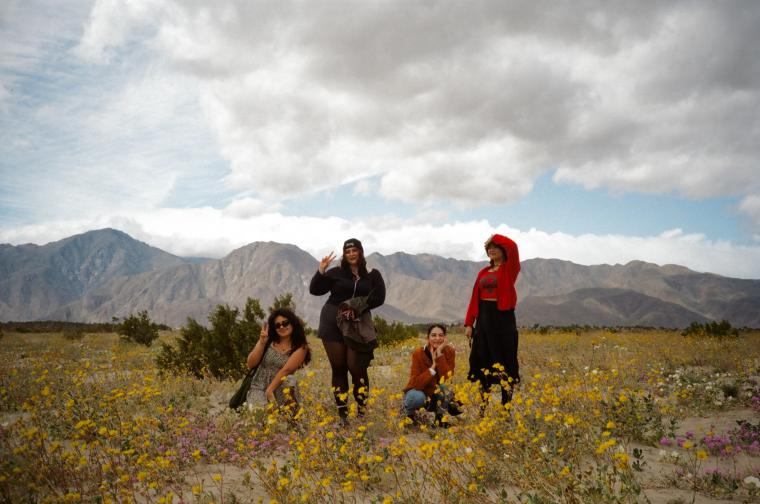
[325, 262]
[264, 335]
[437, 352]
[468, 334]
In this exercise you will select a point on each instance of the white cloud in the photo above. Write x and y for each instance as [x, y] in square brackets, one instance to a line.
[646, 97]
[363, 187]
[105, 140]
[750, 206]
[4, 97]
[214, 233]
[243, 208]
[110, 25]
[467, 103]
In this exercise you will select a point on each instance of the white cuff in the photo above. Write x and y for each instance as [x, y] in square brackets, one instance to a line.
[432, 371]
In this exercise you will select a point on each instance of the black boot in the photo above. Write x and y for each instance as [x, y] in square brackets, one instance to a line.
[361, 399]
[343, 415]
[455, 408]
[506, 395]
[440, 422]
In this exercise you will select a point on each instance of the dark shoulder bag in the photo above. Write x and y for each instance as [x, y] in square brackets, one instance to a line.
[239, 397]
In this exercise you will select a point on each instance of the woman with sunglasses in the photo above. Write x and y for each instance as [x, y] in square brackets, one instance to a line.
[350, 279]
[280, 351]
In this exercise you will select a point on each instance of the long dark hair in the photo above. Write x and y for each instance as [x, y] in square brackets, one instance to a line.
[297, 338]
[362, 264]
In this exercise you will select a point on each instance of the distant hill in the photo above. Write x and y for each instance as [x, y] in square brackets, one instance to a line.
[36, 280]
[100, 274]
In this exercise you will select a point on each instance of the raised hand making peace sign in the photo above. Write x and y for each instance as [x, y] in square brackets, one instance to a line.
[325, 262]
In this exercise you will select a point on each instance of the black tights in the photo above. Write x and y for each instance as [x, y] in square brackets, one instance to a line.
[507, 388]
[343, 361]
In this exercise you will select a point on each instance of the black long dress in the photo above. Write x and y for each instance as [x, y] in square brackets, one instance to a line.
[494, 342]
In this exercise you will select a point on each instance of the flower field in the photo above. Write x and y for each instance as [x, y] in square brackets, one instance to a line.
[631, 416]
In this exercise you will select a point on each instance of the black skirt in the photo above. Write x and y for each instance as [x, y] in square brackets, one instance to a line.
[328, 331]
[494, 341]
[328, 328]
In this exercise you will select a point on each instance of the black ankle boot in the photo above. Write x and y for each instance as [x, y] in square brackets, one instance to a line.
[343, 414]
[440, 422]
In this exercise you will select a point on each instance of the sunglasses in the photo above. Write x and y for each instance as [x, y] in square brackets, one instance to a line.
[280, 325]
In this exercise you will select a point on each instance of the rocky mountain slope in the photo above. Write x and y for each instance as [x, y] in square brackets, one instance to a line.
[36, 280]
[101, 274]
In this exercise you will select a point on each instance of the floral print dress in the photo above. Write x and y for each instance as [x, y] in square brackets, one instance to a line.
[272, 362]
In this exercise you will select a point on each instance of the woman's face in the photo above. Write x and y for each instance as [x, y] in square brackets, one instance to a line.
[436, 337]
[283, 326]
[494, 253]
[352, 255]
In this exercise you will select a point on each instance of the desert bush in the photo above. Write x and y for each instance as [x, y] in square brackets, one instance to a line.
[220, 350]
[138, 329]
[389, 333]
[284, 301]
[720, 329]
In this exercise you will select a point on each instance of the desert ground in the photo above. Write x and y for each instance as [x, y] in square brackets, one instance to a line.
[600, 416]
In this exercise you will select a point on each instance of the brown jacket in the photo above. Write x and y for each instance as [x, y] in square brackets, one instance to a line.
[420, 377]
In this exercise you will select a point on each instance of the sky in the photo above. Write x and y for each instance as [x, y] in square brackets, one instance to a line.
[588, 131]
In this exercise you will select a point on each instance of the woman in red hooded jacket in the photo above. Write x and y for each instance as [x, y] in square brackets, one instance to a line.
[491, 312]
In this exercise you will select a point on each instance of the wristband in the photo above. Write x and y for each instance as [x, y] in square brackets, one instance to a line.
[432, 371]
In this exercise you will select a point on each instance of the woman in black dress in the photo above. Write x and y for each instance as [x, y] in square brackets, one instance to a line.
[493, 354]
[350, 279]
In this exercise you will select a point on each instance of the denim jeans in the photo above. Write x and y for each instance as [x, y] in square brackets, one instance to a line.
[439, 402]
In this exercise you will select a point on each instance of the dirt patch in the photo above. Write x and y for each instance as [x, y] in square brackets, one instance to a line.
[225, 478]
[673, 496]
[720, 422]
[666, 465]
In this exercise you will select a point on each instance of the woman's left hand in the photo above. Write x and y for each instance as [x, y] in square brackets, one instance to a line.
[270, 395]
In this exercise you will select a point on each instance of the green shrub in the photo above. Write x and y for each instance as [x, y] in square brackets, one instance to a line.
[284, 301]
[720, 329]
[390, 333]
[138, 329]
[220, 350]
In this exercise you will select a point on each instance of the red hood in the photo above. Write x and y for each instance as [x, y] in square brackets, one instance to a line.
[507, 276]
[508, 245]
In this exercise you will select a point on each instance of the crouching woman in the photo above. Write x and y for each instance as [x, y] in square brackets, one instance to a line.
[280, 351]
[430, 365]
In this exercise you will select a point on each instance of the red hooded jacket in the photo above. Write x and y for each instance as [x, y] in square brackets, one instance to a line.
[506, 294]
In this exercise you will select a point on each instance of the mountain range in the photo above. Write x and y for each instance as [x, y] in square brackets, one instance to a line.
[101, 274]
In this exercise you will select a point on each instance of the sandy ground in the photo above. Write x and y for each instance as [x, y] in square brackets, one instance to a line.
[660, 475]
